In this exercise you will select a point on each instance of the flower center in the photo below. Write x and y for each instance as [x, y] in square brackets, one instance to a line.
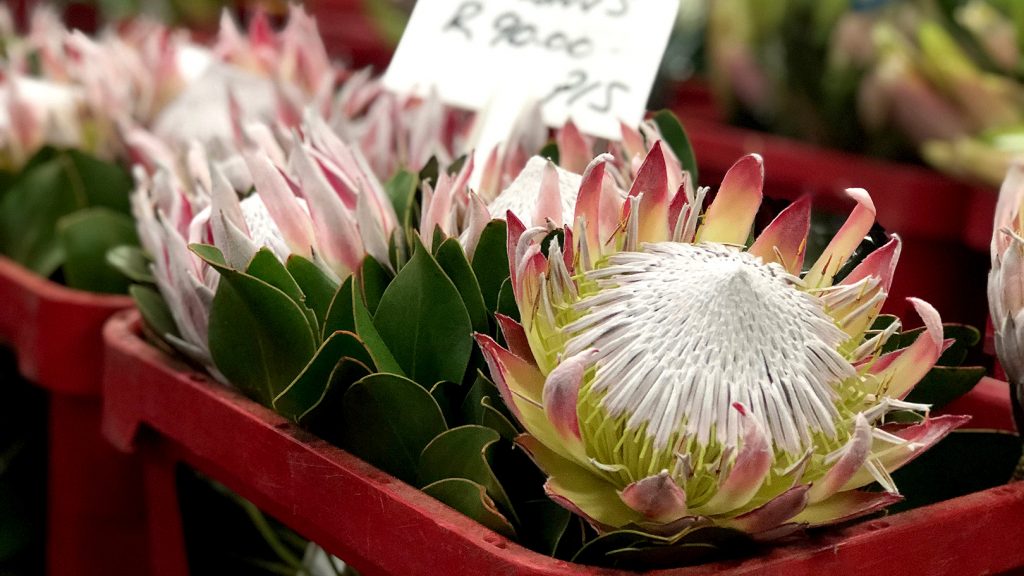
[262, 229]
[685, 331]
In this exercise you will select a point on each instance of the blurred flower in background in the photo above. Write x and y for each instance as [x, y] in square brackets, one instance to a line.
[938, 80]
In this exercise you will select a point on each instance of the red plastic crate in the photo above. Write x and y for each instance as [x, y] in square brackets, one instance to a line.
[95, 512]
[944, 223]
[383, 526]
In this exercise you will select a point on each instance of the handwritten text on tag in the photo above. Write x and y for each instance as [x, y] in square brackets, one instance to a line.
[591, 60]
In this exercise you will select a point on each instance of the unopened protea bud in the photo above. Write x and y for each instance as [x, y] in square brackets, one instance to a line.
[1006, 288]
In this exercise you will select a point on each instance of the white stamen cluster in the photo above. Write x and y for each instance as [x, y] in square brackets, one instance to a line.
[262, 229]
[685, 331]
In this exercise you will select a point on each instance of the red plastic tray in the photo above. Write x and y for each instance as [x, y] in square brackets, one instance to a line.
[95, 511]
[49, 325]
[944, 223]
[384, 526]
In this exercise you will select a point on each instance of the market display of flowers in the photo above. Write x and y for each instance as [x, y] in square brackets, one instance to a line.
[592, 351]
[938, 80]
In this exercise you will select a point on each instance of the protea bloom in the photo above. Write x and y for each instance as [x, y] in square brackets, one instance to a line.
[668, 375]
[1005, 280]
[315, 198]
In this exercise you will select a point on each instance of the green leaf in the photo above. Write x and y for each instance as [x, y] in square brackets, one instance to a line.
[53, 185]
[430, 171]
[154, 310]
[962, 463]
[374, 280]
[507, 301]
[493, 417]
[456, 166]
[85, 238]
[463, 453]
[675, 136]
[472, 500]
[437, 239]
[367, 332]
[490, 261]
[473, 408]
[133, 262]
[209, 254]
[265, 266]
[323, 419]
[964, 338]
[550, 151]
[449, 396]
[401, 189]
[397, 253]
[339, 313]
[639, 551]
[453, 261]
[308, 389]
[260, 338]
[543, 523]
[388, 420]
[943, 384]
[424, 323]
[318, 289]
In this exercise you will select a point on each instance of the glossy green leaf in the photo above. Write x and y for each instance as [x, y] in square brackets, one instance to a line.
[265, 266]
[492, 416]
[401, 189]
[675, 136]
[318, 289]
[544, 523]
[374, 280]
[507, 301]
[437, 239]
[964, 339]
[424, 323]
[53, 185]
[456, 165]
[339, 312]
[472, 500]
[430, 171]
[473, 410]
[453, 261]
[449, 396]
[132, 262]
[309, 387]
[962, 463]
[943, 384]
[639, 551]
[383, 358]
[85, 237]
[260, 338]
[397, 253]
[324, 418]
[154, 310]
[490, 261]
[550, 151]
[463, 453]
[209, 254]
[388, 420]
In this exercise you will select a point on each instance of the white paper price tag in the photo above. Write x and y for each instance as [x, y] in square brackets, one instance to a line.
[591, 60]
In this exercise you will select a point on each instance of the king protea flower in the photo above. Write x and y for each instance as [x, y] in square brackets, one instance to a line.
[1005, 279]
[669, 376]
[316, 199]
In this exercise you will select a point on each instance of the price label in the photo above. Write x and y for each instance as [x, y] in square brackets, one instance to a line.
[590, 60]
